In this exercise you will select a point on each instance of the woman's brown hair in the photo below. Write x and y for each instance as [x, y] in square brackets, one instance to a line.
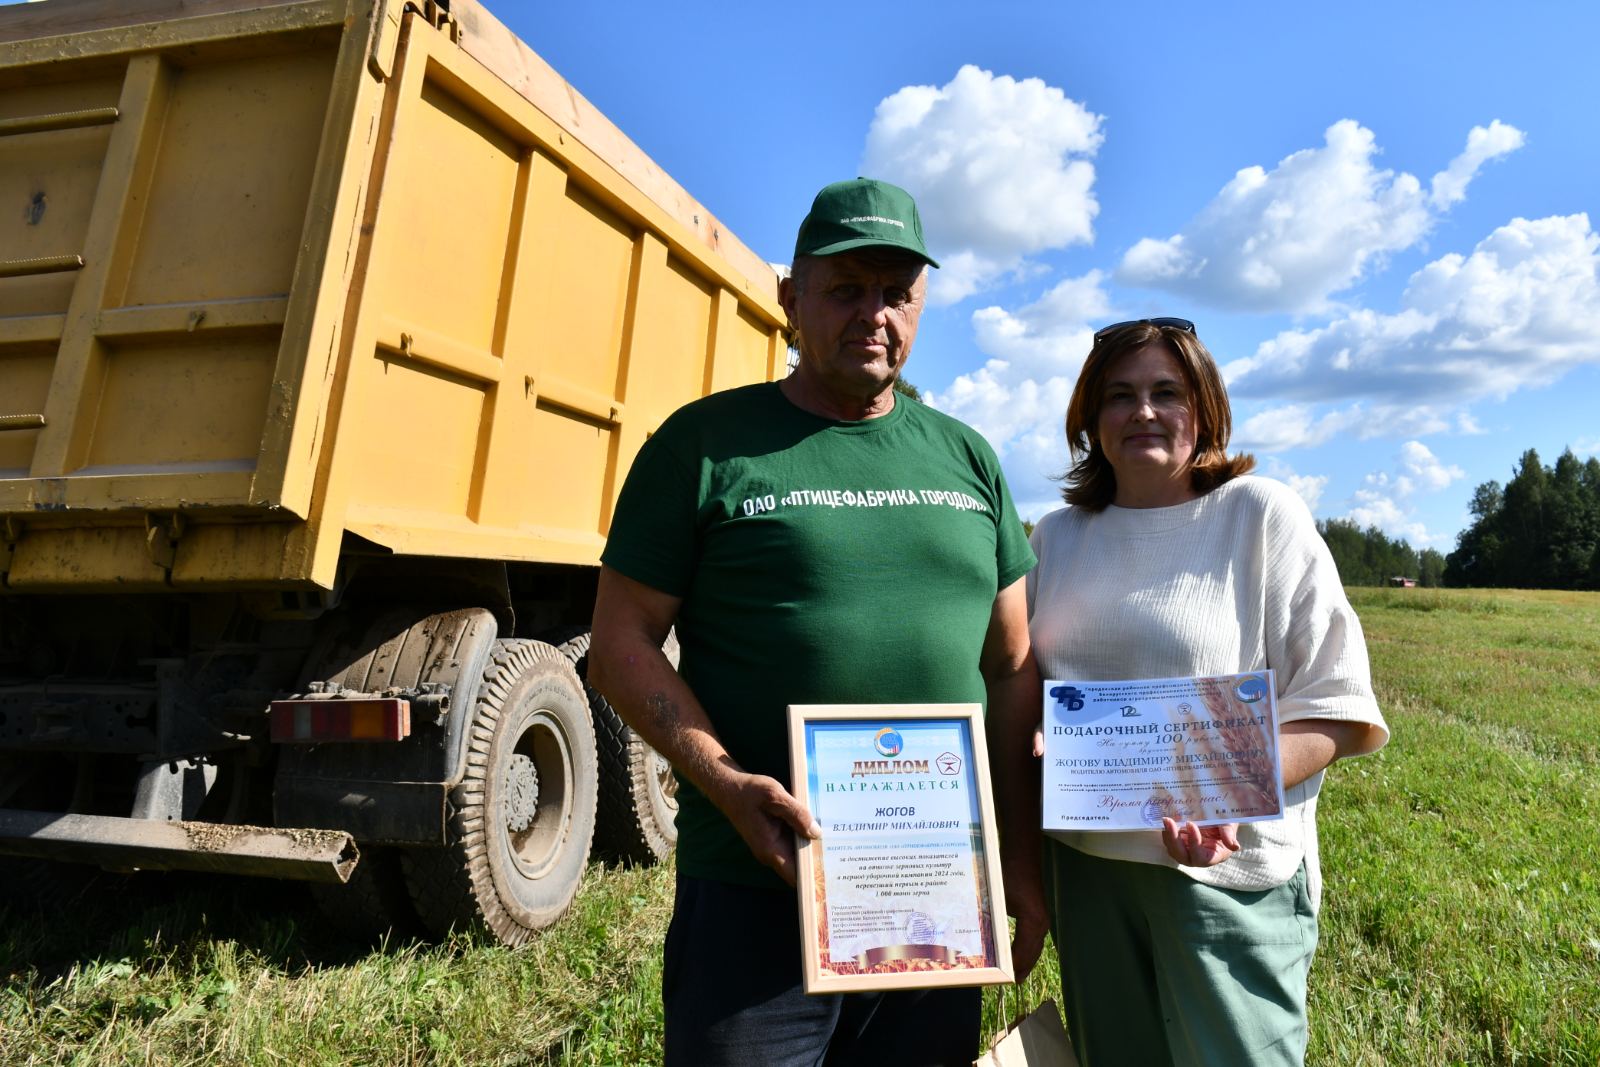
[1091, 483]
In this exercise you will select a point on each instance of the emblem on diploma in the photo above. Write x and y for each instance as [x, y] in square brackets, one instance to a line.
[1123, 755]
[903, 889]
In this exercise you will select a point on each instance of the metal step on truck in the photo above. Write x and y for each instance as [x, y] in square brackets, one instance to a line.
[328, 330]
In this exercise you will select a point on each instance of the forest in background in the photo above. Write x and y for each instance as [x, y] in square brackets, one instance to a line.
[1541, 530]
[1370, 557]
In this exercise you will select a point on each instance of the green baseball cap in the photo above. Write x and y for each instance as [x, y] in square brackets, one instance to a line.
[862, 213]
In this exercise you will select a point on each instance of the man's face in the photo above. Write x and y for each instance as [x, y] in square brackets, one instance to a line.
[856, 314]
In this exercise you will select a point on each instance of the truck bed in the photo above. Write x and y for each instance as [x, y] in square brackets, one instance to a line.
[279, 281]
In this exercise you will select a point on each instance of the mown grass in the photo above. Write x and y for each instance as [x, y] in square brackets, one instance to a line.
[1461, 917]
[210, 971]
[1460, 922]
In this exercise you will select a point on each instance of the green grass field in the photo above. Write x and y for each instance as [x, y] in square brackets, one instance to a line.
[1461, 913]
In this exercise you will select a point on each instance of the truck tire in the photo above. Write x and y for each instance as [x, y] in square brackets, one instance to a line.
[523, 816]
[373, 905]
[638, 809]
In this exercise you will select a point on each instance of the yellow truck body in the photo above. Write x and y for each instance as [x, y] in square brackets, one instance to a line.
[317, 316]
[271, 275]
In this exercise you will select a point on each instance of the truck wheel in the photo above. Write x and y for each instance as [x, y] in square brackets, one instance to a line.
[373, 904]
[524, 812]
[639, 802]
[638, 808]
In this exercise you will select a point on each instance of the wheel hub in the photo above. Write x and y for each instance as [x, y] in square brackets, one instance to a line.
[521, 793]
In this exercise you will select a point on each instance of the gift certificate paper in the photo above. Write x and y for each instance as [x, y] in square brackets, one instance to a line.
[1123, 755]
[902, 888]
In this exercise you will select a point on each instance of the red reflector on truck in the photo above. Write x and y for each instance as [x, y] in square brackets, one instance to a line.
[340, 719]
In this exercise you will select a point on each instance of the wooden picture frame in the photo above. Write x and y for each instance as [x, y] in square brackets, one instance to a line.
[909, 851]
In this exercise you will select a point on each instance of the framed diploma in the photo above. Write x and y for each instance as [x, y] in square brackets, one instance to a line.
[1124, 755]
[903, 889]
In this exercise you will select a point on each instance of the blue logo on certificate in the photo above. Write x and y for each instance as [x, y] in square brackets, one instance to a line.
[1068, 696]
[888, 742]
[1251, 689]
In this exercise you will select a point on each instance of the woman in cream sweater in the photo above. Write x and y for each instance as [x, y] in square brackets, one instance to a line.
[1190, 945]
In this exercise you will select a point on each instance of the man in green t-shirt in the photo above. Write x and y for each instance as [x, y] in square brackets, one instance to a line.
[819, 540]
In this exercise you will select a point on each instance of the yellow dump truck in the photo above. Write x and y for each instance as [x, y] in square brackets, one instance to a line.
[328, 330]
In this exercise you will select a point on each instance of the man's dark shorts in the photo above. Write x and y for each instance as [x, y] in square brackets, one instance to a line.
[731, 988]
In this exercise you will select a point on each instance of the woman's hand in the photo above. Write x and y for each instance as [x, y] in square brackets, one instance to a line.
[1200, 846]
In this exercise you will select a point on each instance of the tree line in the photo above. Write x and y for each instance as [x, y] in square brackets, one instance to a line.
[1370, 557]
[1541, 530]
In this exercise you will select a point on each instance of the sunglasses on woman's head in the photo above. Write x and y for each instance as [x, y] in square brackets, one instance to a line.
[1176, 324]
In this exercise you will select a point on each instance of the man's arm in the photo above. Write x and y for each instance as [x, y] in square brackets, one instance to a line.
[1012, 680]
[626, 663]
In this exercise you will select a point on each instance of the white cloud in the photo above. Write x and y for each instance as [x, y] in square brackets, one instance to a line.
[1024, 420]
[1424, 471]
[1309, 487]
[1018, 399]
[1276, 429]
[1385, 499]
[1290, 238]
[1282, 428]
[1518, 312]
[1052, 335]
[1374, 508]
[1484, 143]
[1585, 447]
[1001, 168]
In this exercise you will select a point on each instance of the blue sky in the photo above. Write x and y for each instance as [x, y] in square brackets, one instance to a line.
[1382, 218]
[1402, 304]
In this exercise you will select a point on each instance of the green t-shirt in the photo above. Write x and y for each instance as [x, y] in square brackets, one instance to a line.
[819, 563]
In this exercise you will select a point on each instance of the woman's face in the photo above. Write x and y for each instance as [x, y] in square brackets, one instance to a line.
[1147, 427]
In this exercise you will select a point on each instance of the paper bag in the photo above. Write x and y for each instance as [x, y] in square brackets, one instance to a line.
[1036, 1040]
